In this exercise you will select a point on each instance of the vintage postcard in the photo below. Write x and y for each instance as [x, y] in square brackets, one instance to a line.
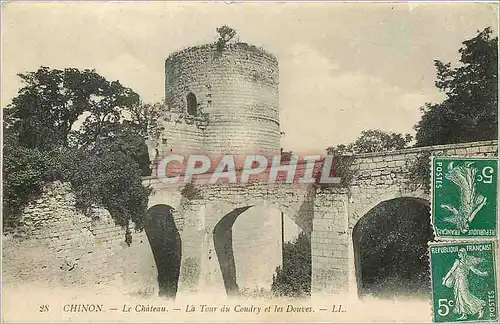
[249, 161]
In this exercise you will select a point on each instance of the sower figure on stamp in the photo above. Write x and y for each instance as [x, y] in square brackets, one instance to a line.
[465, 303]
[470, 201]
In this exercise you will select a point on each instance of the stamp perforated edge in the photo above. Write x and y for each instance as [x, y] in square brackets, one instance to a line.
[496, 267]
[445, 238]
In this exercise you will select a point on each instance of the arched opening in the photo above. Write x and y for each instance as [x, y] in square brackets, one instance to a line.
[248, 243]
[165, 242]
[192, 104]
[390, 249]
[223, 243]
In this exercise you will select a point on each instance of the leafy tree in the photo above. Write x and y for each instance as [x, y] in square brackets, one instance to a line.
[111, 137]
[148, 118]
[391, 241]
[369, 141]
[24, 172]
[225, 35]
[373, 141]
[104, 159]
[115, 184]
[52, 100]
[294, 278]
[469, 113]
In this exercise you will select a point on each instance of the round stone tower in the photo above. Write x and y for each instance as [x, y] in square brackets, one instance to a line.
[235, 88]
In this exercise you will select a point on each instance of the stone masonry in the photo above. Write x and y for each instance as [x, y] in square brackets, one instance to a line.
[220, 101]
[327, 215]
[235, 94]
[59, 246]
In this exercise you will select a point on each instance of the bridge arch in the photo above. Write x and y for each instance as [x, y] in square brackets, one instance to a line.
[165, 241]
[389, 246]
[365, 200]
[251, 235]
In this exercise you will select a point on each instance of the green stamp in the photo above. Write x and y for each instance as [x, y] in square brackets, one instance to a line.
[464, 197]
[463, 282]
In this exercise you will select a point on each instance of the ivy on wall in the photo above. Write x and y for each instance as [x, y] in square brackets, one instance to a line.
[420, 172]
[190, 192]
[342, 165]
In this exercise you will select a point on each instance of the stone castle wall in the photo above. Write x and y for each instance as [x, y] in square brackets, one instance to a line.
[61, 247]
[237, 87]
[382, 176]
[378, 177]
[183, 134]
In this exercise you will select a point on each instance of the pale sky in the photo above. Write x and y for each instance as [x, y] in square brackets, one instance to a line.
[343, 67]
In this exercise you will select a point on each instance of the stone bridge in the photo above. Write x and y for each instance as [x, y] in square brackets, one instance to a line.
[204, 220]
